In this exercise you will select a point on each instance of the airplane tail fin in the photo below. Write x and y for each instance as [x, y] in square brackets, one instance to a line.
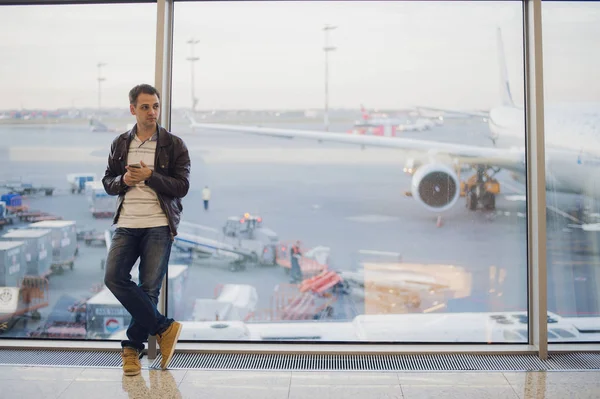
[504, 83]
[365, 114]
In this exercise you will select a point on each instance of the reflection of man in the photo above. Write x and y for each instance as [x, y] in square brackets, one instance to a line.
[150, 189]
[160, 381]
[295, 272]
[206, 197]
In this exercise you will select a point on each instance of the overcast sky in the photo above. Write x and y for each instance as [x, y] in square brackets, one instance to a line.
[270, 55]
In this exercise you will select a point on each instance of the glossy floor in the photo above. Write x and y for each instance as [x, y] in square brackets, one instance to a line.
[92, 383]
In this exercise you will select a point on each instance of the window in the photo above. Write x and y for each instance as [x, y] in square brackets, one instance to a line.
[572, 119]
[65, 74]
[366, 90]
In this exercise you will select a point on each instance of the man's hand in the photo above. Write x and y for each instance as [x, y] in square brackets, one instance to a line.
[129, 180]
[136, 175]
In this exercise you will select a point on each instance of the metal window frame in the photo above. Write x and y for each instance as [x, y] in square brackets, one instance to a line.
[163, 81]
[536, 214]
[536, 176]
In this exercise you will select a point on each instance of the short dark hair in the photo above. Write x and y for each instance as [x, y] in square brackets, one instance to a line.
[139, 89]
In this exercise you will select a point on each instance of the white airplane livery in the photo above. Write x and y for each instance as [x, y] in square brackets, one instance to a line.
[572, 138]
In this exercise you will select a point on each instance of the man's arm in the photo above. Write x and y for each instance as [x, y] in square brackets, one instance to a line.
[112, 181]
[178, 184]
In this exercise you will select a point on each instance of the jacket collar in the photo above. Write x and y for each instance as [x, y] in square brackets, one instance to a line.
[163, 136]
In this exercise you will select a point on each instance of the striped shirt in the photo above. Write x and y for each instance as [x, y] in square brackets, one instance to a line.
[141, 208]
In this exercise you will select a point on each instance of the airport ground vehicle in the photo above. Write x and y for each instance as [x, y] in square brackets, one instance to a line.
[104, 314]
[14, 203]
[5, 219]
[20, 188]
[77, 181]
[243, 240]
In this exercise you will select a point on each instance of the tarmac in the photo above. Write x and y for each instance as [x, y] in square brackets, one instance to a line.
[346, 198]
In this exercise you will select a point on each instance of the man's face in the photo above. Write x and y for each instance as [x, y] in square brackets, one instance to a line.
[146, 110]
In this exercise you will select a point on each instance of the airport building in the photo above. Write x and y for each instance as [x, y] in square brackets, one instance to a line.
[386, 199]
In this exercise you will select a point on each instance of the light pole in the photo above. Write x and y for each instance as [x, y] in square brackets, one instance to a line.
[192, 59]
[327, 48]
[100, 80]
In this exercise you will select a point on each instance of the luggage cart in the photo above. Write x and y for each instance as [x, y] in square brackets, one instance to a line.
[23, 301]
[289, 303]
[64, 243]
[37, 247]
[60, 329]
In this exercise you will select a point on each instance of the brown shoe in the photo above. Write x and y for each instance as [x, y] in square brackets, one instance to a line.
[167, 342]
[131, 361]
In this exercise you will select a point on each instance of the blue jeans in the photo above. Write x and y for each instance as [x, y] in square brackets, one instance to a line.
[153, 247]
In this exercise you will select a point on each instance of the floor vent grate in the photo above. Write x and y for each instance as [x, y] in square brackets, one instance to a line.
[62, 358]
[323, 362]
[311, 362]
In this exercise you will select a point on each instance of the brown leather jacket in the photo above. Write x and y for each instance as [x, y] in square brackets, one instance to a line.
[170, 178]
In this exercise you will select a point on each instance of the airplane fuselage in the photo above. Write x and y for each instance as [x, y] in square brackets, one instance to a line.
[572, 142]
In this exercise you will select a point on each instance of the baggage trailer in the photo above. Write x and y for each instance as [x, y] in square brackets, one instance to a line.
[12, 263]
[64, 242]
[102, 205]
[18, 295]
[60, 329]
[35, 216]
[25, 300]
[105, 315]
[38, 247]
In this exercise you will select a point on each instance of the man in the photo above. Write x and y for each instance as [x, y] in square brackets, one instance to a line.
[206, 197]
[148, 168]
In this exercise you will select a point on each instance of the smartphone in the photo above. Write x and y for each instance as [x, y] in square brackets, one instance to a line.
[135, 165]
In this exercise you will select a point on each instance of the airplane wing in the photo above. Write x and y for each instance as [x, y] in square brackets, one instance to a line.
[512, 159]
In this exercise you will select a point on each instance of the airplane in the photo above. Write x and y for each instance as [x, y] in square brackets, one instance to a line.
[377, 118]
[572, 152]
[380, 124]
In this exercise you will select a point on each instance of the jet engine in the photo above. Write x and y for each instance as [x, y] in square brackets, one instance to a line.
[435, 186]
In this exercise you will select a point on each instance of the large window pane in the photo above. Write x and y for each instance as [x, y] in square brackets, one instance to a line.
[422, 97]
[65, 73]
[572, 123]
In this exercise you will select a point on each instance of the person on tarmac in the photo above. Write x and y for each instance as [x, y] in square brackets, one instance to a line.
[206, 197]
[295, 271]
[150, 189]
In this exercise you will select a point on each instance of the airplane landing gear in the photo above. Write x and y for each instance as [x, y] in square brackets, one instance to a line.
[481, 189]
